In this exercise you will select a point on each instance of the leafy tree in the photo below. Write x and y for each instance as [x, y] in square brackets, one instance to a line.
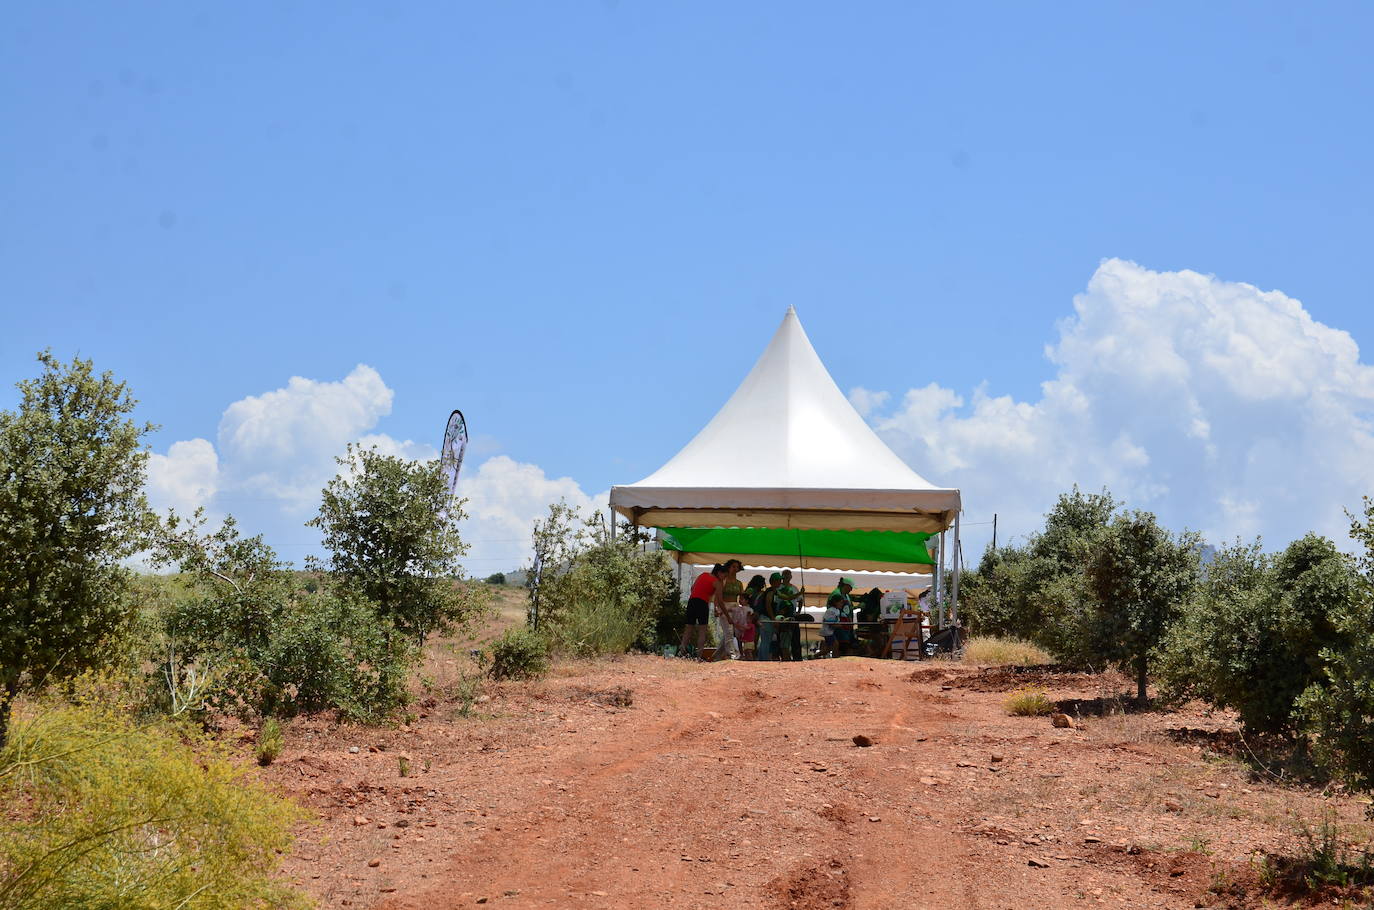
[1137, 578]
[1256, 635]
[391, 527]
[1030, 592]
[496, 578]
[1337, 709]
[71, 510]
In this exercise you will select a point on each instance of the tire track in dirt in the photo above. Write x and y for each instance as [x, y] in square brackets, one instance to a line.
[738, 786]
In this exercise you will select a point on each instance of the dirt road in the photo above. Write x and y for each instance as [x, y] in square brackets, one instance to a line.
[651, 783]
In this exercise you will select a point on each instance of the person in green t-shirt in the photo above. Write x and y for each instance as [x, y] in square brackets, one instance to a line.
[786, 601]
[764, 618]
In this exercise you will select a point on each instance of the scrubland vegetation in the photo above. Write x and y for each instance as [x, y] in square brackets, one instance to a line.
[1282, 639]
[115, 792]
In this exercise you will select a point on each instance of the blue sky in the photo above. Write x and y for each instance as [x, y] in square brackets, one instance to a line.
[581, 222]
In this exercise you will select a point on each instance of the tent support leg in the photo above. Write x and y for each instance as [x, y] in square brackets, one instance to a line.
[958, 568]
[940, 592]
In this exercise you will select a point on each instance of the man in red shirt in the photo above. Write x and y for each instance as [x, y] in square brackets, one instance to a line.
[705, 590]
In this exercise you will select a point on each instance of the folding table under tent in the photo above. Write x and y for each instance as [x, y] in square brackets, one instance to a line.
[788, 474]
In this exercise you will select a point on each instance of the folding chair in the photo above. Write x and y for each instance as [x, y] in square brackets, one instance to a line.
[907, 627]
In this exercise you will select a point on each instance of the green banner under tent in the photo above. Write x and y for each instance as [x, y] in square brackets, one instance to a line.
[891, 551]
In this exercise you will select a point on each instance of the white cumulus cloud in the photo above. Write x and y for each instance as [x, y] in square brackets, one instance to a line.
[504, 498]
[184, 479]
[1221, 407]
[277, 450]
[282, 444]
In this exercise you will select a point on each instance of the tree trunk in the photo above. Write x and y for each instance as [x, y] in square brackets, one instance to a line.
[1140, 698]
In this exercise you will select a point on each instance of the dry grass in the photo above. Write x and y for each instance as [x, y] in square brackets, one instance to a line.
[997, 651]
[1029, 703]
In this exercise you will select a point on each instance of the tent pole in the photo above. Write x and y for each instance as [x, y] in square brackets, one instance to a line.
[958, 568]
[940, 582]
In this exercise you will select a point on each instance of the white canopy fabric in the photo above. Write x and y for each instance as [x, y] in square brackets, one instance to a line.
[788, 450]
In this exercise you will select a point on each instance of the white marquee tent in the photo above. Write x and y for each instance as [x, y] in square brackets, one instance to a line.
[788, 473]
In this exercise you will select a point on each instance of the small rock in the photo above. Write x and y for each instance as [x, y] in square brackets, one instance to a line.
[353, 750]
[1172, 806]
[1037, 863]
[1092, 840]
[929, 781]
[1062, 721]
[360, 820]
[373, 863]
[862, 741]
[997, 756]
[403, 823]
[874, 818]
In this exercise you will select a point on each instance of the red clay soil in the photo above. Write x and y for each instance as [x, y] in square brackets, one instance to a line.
[648, 782]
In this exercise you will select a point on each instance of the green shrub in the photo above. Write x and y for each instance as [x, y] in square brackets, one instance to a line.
[260, 645]
[269, 741]
[518, 653]
[1254, 637]
[606, 595]
[103, 812]
[1029, 703]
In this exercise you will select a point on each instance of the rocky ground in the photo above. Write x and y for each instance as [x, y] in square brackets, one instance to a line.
[648, 782]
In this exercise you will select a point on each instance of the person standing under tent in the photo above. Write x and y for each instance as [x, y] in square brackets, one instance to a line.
[705, 591]
[786, 600]
[764, 617]
[742, 617]
[839, 616]
[727, 595]
[747, 627]
[869, 629]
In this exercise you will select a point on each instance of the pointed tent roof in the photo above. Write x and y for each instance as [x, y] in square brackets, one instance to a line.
[788, 450]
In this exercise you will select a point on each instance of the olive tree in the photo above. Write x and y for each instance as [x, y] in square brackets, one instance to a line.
[391, 528]
[1337, 709]
[1258, 631]
[71, 511]
[1138, 577]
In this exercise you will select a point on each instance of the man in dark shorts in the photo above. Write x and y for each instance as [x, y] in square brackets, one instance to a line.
[704, 590]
